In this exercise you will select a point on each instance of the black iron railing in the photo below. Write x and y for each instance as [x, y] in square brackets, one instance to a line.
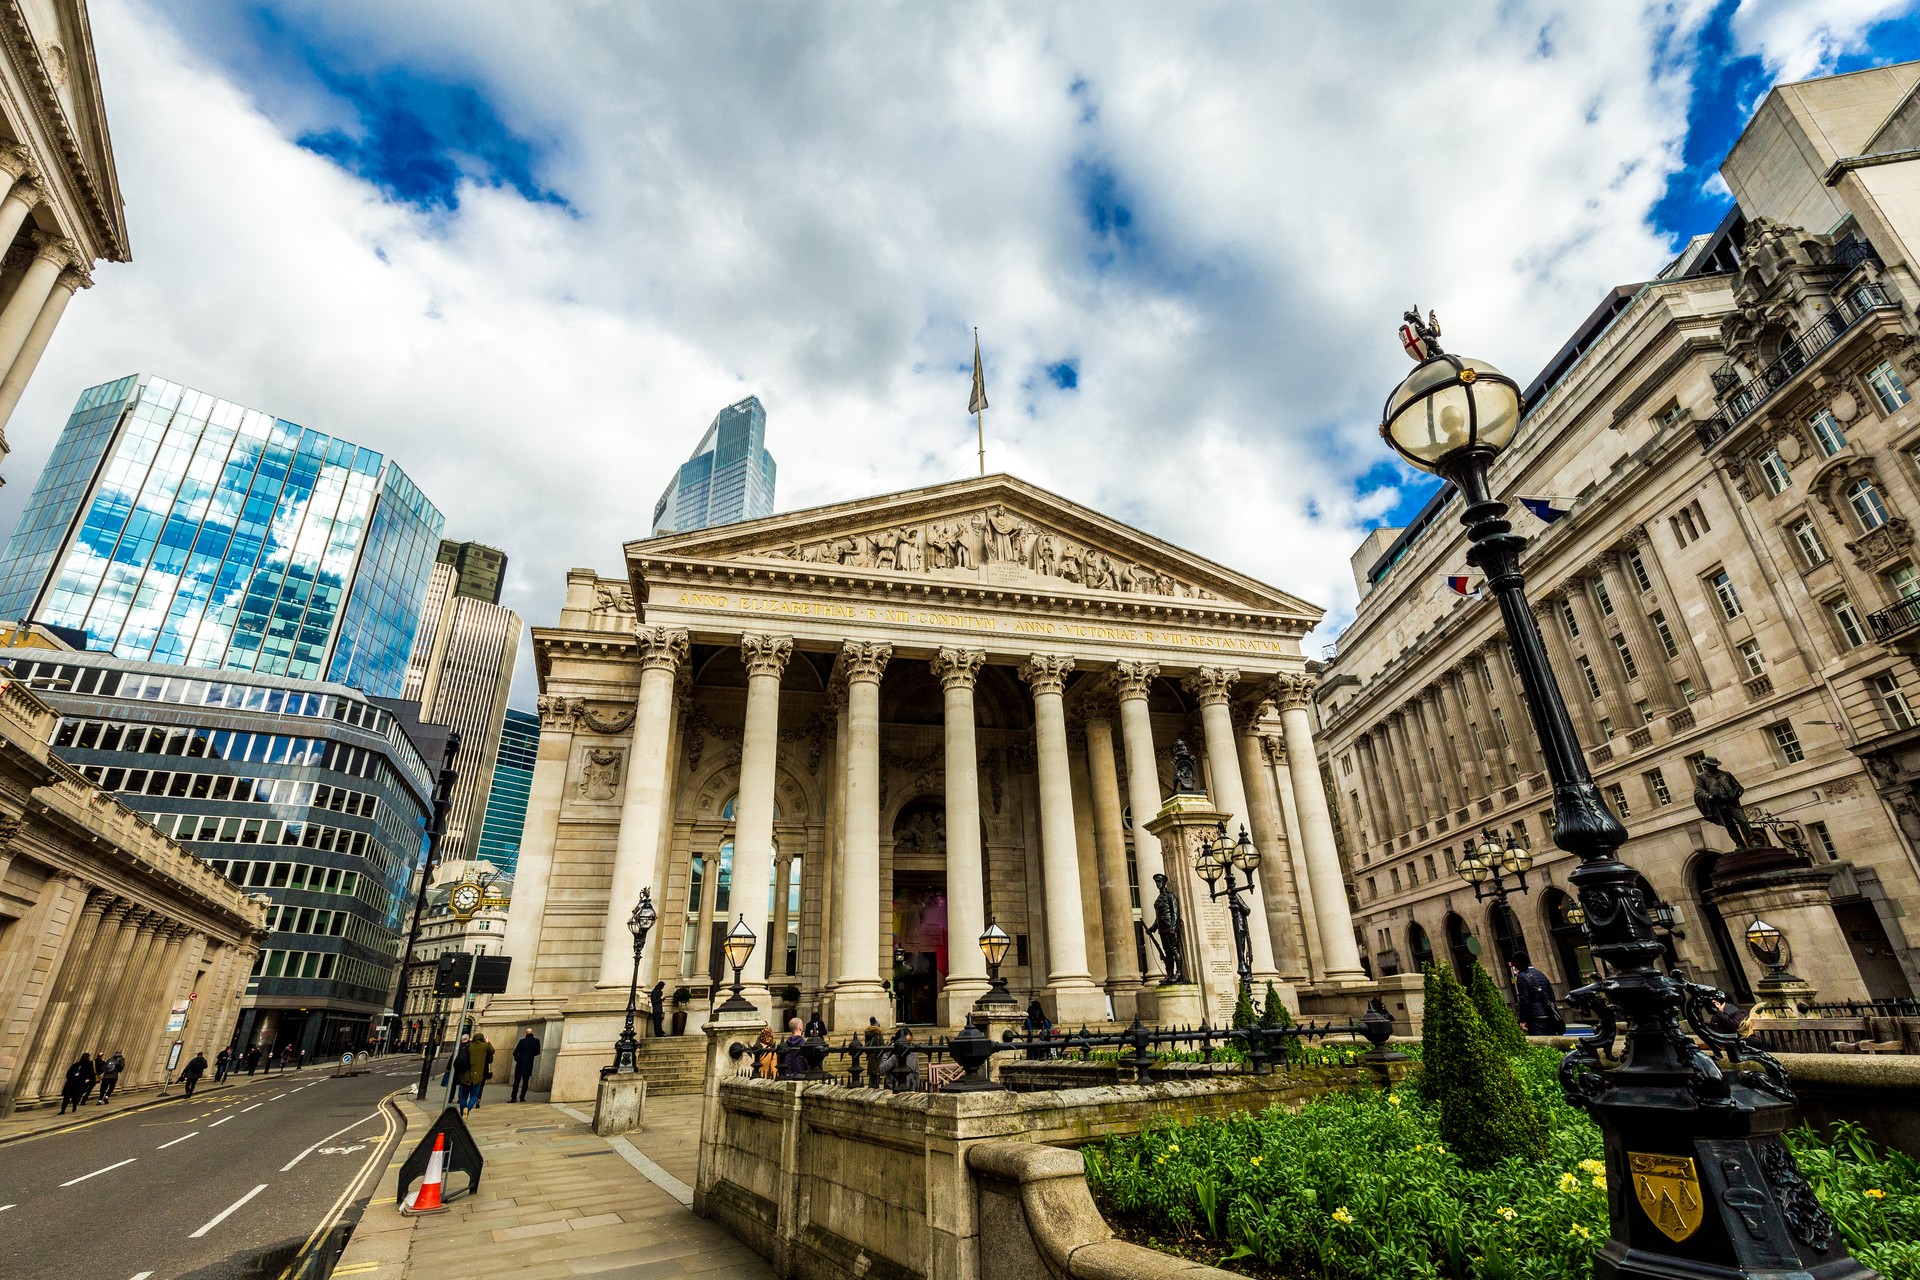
[1896, 620]
[1739, 400]
[1905, 1007]
[1851, 253]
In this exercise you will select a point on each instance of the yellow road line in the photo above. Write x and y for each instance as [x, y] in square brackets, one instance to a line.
[332, 1216]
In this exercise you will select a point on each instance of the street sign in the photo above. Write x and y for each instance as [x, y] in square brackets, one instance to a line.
[177, 1016]
[462, 1153]
[490, 974]
[173, 1057]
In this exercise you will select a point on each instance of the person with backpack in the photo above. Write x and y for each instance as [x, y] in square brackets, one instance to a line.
[110, 1076]
[1533, 998]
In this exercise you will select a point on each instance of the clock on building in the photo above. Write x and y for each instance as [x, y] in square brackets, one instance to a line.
[465, 900]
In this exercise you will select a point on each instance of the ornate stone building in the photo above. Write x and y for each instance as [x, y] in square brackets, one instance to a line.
[60, 209]
[1737, 579]
[113, 939]
[869, 729]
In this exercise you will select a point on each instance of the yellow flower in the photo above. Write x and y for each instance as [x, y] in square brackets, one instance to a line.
[1876, 1193]
[1600, 1181]
[1592, 1166]
[1419, 1146]
[1579, 1232]
[1569, 1183]
[1254, 1161]
[1159, 1159]
[1342, 1217]
[1508, 1214]
[1175, 1148]
[1394, 1099]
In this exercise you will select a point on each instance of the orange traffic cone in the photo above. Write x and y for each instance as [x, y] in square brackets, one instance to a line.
[427, 1198]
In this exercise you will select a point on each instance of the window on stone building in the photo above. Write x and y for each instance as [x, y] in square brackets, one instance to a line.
[1657, 788]
[1394, 874]
[1806, 539]
[1373, 888]
[1500, 723]
[1827, 433]
[1893, 703]
[1346, 765]
[1723, 592]
[1786, 740]
[1773, 469]
[1586, 672]
[1904, 581]
[1665, 633]
[1617, 798]
[1627, 664]
[1479, 744]
[1823, 840]
[1682, 525]
[1847, 621]
[1644, 710]
[1568, 620]
[1672, 413]
[1603, 597]
[1637, 565]
[1888, 386]
[1606, 726]
[1432, 872]
[1751, 659]
[1869, 509]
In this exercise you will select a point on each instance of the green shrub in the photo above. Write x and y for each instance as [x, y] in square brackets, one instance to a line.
[1484, 1113]
[1273, 1013]
[1243, 1008]
[1495, 1013]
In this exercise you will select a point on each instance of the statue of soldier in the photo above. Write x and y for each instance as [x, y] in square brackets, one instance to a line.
[1717, 797]
[1165, 932]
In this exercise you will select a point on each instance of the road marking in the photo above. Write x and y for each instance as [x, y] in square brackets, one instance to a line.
[5, 1207]
[221, 1216]
[143, 1275]
[275, 1098]
[357, 1122]
[182, 1138]
[389, 1117]
[255, 1107]
[217, 1123]
[97, 1172]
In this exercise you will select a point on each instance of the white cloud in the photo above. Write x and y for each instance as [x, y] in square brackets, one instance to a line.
[815, 203]
[1800, 39]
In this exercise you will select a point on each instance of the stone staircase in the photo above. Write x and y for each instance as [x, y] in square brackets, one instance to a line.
[673, 1064]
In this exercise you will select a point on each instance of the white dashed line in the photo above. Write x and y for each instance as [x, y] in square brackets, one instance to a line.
[255, 1107]
[5, 1207]
[217, 1123]
[182, 1138]
[143, 1275]
[97, 1172]
[221, 1216]
[275, 1098]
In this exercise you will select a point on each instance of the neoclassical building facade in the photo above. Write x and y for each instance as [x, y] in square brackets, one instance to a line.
[869, 729]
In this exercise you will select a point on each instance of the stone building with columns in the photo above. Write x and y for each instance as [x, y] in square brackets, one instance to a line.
[61, 211]
[1737, 579]
[869, 729]
[113, 939]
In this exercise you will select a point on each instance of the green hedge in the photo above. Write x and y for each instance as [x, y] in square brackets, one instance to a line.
[1484, 1113]
[1495, 1012]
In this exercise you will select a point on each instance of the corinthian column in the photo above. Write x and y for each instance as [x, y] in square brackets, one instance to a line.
[1130, 682]
[1110, 851]
[966, 885]
[38, 335]
[528, 906]
[1070, 986]
[1277, 891]
[1339, 953]
[765, 658]
[52, 256]
[24, 191]
[643, 808]
[1212, 687]
[857, 996]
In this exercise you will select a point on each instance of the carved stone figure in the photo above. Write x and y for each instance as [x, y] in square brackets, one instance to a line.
[1165, 932]
[1044, 553]
[907, 554]
[1005, 535]
[947, 547]
[883, 547]
[1099, 571]
[1186, 778]
[1717, 796]
[600, 774]
[1071, 567]
[1142, 579]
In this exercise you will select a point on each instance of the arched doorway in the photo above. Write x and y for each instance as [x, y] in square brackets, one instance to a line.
[1509, 940]
[1569, 941]
[1732, 977]
[1462, 946]
[1419, 947]
[919, 908]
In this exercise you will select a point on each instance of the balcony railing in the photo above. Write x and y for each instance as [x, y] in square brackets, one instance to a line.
[1896, 621]
[1739, 400]
[1851, 253]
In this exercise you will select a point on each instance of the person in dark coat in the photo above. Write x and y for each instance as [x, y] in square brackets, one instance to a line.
[1038, 1027]
[253, 1059]
[793, 1063]
[1533, 998]
[222, 1063]
[816, 1026]
[657, 1000]
[525, 1054]
[873, 1039]
[191, 1073]
[110, 1069]
[79, 1080]
[476, 1064]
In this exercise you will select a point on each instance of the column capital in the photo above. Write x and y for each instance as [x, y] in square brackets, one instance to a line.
[1046, 672]
[1099, 704]
[1132, 679]
[557, 713]
[16, 162]
[74, 279]
[1635, 537]
[1211, 684]
[1292, 692]
[1247, 713]
[661, 648]
[864, 659]
[765, 655]
[30, 190]
[55, 248]
[958, 668]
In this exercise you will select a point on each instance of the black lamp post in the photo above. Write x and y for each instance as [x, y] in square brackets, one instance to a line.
[739, 949]
[1216, 860]
[626, 1050]
[993, 945]
[1702, 1185]
[1495, 858]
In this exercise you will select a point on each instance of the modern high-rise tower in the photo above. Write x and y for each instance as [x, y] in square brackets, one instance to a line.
[728, 478]
[512, 784]
[480, 568]
[175, 527]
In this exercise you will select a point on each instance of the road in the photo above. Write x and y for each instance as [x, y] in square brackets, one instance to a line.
[228, 1185]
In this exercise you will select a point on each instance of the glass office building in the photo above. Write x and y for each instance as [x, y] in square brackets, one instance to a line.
[304, 791]
[177, 528]
[729, 477]
[512, 784]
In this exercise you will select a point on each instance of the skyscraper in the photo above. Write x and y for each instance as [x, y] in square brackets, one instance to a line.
[178, 528]
[728, 478]
[512, 783]
[459, 673]
[480, 568]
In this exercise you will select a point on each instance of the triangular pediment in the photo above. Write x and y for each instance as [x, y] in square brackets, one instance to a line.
[993, 530]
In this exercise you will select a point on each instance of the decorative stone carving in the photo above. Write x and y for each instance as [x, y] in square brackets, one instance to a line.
[600, 774]
[1274, 748]
[618, 721]
[1046, 672]
[1132, 679]
[958, 668]
[612, 600]
[9, 830]
[1099, 704]
[15, 162]
[661, 647]
[1211, 684]
[1844, 406]
[864, 659]
[765, 655]
[1292, 692]
[1004, 535]
[557, 713]
[1874, 548]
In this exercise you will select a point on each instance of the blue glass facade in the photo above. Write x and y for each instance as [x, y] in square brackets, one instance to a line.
[175, 527]
[729, 478]
[512, 784]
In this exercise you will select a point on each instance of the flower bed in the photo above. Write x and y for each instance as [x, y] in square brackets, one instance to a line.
[1359, 1185]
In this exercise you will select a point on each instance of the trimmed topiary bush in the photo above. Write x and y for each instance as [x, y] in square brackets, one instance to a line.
[1485, 1116]
[1243, 1008]
[1495, 1013]
[1274, 1013]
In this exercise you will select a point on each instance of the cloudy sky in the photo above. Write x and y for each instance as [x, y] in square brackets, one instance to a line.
[529, 250]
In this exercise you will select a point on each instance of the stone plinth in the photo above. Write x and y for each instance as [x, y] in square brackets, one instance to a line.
[1178, 1005]
[622, 1100]
[1789, 891]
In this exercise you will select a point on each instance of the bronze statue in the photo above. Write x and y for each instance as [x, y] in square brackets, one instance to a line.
[1717, 797]
[1165, 932]
[1185, 775]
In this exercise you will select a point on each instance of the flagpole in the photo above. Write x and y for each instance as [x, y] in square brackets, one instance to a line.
[981, 429]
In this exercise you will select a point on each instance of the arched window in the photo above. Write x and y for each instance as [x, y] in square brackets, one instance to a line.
[1569, 941]
[1419, 947]
[1461, 945]
[1869, 512]
[1508, 940]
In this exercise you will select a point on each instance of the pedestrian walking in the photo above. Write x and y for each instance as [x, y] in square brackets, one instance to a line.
[657, 1001]
[1038, 1027]
[191, 1073]
[99, 1061]
[253, 1059]
[793, 1063]
[900, 1064]
[222, 1064]
[475, 1066]
[300, 1059]
[79, 1080]
[1533, 998]
[110, 1076]
[873, 1039]
[525, 1054]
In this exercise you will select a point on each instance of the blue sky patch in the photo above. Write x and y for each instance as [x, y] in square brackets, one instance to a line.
[1064, 375]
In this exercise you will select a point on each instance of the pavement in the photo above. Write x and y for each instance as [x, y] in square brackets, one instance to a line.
[232, 1184]
[556, 1201]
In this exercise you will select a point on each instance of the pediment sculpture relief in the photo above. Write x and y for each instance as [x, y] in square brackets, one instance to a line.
[994, 536]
